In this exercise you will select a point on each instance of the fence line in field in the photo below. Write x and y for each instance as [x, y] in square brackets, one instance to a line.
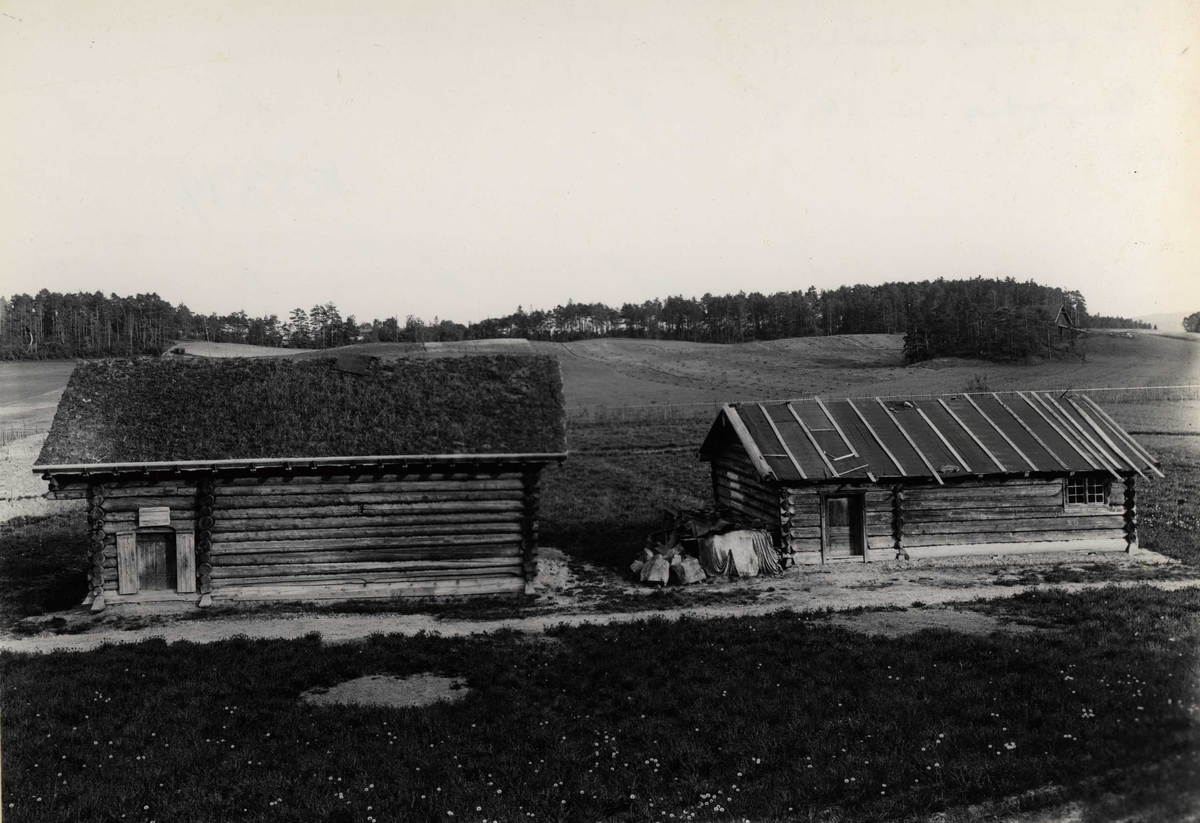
[11, 434]
[698, 411]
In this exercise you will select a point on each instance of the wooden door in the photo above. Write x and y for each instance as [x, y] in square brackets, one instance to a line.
[843, 527]
[156, 561]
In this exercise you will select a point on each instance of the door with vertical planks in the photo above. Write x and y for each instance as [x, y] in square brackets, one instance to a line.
[156, 561]
[844, 521]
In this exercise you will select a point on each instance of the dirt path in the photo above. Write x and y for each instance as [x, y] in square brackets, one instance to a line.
[346, 628]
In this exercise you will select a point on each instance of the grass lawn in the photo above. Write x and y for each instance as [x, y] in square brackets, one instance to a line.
[1169, 509]
[762, 718]
[610, 494]
[43, 565]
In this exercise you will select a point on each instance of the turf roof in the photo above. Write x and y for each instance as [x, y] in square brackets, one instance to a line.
[126, 411]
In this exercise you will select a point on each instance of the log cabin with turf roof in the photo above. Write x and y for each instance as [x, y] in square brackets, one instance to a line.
[259, 479]
[966, 474]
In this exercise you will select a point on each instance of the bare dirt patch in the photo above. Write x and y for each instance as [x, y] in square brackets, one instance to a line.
[899, 623]
[391, 692]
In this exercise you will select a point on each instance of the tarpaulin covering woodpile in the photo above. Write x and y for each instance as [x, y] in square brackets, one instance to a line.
[695, 544]
[744, 553]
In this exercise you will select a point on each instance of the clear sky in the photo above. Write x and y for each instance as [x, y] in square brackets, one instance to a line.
[461, 158]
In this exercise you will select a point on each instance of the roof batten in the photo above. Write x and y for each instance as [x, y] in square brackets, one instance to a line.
[752, 450]
[878, 440]
[782, 442]
[1001, 432]
[813, 440]
[920, 453]
[1107, 462]
[962, 461]
[838, 429]
[1105, 437]
[971, 434]
[1030, 431]
[1069, 440]
[1117, 430]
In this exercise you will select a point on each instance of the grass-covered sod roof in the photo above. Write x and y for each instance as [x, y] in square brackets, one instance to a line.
[148, 410]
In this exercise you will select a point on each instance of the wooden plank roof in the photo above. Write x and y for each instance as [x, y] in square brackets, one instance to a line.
[934, 438]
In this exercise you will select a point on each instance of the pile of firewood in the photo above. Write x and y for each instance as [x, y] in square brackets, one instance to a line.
[671, 554]
[667, 565]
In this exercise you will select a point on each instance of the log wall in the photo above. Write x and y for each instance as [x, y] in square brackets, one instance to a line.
[976, 516]
[376, 535]
[736, 485]
[1019, 514]
[972, 517]
[113, 509]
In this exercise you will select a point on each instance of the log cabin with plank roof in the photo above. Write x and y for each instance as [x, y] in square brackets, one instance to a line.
[258, 479]
[966, 474]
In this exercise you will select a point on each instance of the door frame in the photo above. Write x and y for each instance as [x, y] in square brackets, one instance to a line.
[133, 534]
[859, 499]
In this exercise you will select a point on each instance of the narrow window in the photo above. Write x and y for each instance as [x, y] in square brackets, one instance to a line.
[1086, 490]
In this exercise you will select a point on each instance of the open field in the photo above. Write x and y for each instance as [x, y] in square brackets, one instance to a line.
[1177, 417]
[29, 393]
[624, 372]
[620, 372]
[202, 348]
[856, 365]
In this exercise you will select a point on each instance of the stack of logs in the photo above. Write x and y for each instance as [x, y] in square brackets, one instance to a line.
[205, 499]
[96, 516]
[667, 565]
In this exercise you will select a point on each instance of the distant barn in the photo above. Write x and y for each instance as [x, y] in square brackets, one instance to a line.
[248, 479]
[880, 479]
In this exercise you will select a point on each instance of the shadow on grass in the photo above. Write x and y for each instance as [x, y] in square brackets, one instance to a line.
[600, 508]
[43, 565]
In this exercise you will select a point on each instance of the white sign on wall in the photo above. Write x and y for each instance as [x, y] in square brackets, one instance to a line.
[154, 516]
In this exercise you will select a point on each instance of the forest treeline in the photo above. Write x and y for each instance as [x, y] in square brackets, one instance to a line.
[52, 325]
[1000, 319]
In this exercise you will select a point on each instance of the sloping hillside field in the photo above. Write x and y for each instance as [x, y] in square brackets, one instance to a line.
[618, 372]
[624, 372]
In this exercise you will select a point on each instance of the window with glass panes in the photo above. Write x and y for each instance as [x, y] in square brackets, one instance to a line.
[1084, 490]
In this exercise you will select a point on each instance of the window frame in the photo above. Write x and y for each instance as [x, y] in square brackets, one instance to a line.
[1088, 480]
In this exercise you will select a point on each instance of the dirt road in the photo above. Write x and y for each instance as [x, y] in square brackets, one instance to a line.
[931, 587]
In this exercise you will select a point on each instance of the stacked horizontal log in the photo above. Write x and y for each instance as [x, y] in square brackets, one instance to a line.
[342, 535]
[737, 486]
[971, 513]
[123, 499]
[804, 526]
